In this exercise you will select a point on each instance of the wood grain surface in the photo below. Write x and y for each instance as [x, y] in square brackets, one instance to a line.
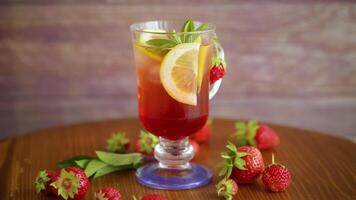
[291, 62]
[322, 167]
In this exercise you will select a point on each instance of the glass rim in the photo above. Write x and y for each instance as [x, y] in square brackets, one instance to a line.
[134, 28]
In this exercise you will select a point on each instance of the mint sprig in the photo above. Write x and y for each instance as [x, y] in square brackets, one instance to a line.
[104, 163]
[173, 40]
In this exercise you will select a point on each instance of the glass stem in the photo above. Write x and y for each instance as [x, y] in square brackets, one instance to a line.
[174, 154]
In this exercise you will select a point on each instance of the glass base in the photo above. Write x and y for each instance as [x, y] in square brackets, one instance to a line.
[151, 175]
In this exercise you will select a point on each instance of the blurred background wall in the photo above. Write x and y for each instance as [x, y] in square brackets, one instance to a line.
[69, 61]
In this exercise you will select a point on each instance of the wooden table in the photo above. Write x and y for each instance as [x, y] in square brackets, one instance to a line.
[322, 166]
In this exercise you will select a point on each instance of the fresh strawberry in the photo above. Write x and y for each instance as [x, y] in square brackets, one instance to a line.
[44, 180]
[151, 197]
[118, 143]
[146, 143]
[276, 177]
[227, 188]
[255, 134]
[107, 193]
[72, 184]
[243, 164]
[203, 135]
[196, 147]
[217, 70]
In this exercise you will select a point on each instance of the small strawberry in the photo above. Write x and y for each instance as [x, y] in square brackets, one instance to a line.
[146, 143]
[151, 197]
[44, 180]
[276, 177]
[203, 135]
[107, 193]
[196, 147]
[255, 134]
[118, 143]
[243, 164]
[72, 184]
[227, 188]
[217, 71]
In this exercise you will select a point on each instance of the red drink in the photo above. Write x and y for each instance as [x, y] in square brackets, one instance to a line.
[159, 112]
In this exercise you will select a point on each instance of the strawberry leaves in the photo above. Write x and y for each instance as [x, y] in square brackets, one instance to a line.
[246, 132]
[147, 141]
[118, 142]
[232, 158]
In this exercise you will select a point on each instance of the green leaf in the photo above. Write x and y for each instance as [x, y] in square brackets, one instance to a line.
[105, 170]
[188, 26]
[93, 166]
[240, 163]
[202, 27]
[231, 147]
[162, 43]
[175, 37]
[71, 161]
[82, 163]
[116, 159]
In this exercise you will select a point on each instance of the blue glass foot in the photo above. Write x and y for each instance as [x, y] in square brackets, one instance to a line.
[151, 175]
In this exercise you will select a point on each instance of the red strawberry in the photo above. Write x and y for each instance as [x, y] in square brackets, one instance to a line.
[44, 180]
[118, 143]
[146, 143]
[153, 197]
[243, 164]
[255, 134]
[227, 188]
[216, 72]
[203, 135]
[107, 193]
[276, 177]
[72, 184]
[196, 147]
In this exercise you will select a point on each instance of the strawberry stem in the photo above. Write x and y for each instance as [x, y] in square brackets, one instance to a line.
[273, 158]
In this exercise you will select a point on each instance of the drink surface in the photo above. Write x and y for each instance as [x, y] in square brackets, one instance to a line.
[161, 114]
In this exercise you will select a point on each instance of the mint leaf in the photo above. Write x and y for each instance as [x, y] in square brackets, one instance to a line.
[202, 27]
[116, 159]
[188, 26]
[106, 170]
[70, 162]
[82, 163]
[93, 166]
[175, 37]
[162, 43]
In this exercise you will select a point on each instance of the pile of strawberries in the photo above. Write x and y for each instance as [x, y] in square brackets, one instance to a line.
[244, 164]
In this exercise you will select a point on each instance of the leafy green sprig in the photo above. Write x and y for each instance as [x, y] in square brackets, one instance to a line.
[104, 163]
[184, 37]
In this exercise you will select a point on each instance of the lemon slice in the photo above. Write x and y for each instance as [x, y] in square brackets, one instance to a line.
[179, 72]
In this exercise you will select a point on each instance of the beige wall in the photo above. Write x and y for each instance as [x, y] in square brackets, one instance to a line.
[71, 61]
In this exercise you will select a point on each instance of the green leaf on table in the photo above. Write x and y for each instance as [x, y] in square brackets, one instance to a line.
[71, 161]
[93, 166]
[116, 159]
[110, 169]
[82, 163]
[106, 170]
